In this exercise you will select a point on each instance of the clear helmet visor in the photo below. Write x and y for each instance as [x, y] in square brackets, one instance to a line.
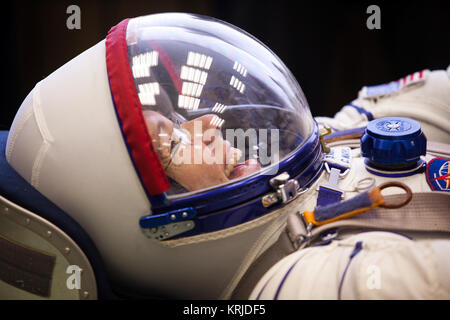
[218, 104]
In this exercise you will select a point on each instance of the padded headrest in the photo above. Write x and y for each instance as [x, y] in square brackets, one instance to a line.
[16, 189]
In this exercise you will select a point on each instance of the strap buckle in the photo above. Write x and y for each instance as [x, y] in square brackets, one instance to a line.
[333, 180]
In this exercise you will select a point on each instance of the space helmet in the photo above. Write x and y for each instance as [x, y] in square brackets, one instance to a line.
[179, 144]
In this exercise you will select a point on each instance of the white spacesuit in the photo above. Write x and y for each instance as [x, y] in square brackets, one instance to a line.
[390, 254]
[179, 158]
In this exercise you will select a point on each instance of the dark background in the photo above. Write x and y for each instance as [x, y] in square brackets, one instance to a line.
[326, 45]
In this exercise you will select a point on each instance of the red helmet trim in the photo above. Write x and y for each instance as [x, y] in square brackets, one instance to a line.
[129, 112]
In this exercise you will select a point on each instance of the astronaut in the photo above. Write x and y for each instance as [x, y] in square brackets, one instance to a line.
[178, 158]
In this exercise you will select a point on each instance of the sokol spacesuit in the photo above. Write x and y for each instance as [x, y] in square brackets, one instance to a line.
[179, 158]
[390, 254]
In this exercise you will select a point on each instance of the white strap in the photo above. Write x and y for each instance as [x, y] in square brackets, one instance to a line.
[426, 212]
[438, 149]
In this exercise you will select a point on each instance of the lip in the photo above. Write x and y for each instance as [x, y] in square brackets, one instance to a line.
[236, 167]
[246, 168]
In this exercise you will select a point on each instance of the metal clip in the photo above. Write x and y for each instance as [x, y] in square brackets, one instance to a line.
[341, 174]
[286, 190]
[324, 131]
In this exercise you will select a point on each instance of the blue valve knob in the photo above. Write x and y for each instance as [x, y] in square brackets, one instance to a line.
[393, 143]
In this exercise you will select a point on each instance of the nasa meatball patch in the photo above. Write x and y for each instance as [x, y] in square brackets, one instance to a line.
[438, 176]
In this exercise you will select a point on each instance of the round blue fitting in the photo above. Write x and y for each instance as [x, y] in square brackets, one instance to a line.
[393, 142]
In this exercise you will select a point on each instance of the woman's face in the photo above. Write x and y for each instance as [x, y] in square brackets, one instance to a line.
[197, 157]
